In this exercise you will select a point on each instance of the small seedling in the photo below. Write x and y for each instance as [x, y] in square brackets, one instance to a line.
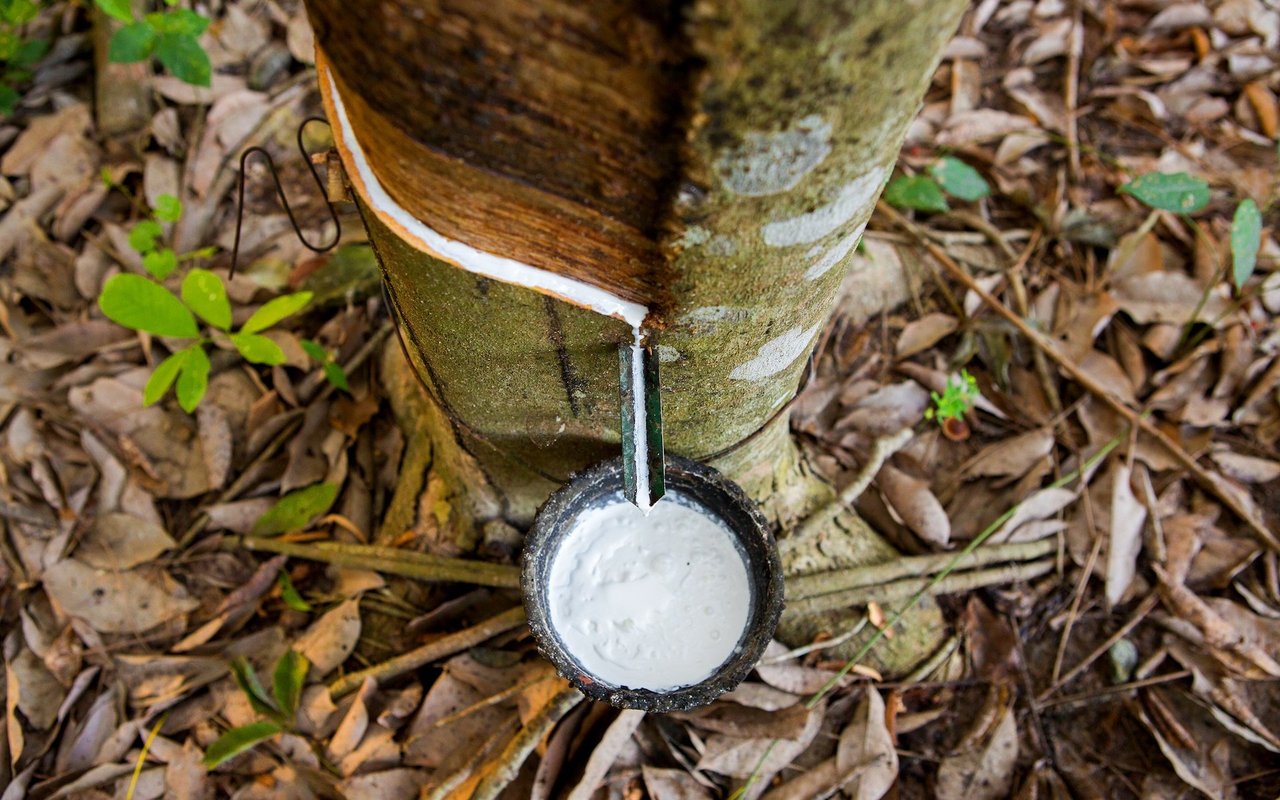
[17, 54]
[947, 176]
[172, 37]
[333, 371]
[279, 708]
[956, 400]
[144, 305]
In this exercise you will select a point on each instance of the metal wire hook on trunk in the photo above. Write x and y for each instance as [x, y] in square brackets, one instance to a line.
[275, 176]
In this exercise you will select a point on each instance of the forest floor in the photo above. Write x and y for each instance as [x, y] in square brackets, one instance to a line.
[1125, 410]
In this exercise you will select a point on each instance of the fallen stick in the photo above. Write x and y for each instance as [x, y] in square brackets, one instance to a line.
[513, 756]
[432, 651]
[900, 590]
[1207, 480]
[391, 560]
[912, 567]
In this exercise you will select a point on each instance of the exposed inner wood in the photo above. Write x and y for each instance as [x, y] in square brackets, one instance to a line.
[545, 133]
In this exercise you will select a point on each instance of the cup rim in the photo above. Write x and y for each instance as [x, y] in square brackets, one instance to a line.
[706, 486]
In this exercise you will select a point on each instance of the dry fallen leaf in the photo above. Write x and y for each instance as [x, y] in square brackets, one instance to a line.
[866, 758]
[330, 639]
[984, 772]
[912, 499]
[923, 333]
[1124, 543]
[122, 541]
[131, 601]
[1011, 458]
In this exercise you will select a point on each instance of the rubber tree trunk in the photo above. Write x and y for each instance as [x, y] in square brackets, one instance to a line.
[715, 162]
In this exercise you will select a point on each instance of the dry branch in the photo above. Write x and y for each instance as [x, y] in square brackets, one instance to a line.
[392, 561]
[432, 651]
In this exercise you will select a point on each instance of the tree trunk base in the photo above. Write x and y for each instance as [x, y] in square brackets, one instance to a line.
[461, 496]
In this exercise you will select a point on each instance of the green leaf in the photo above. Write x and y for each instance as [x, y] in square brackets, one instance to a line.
[9, 98]
[132, 43]
[958, 179]
[288, 679]
[336, 375]
[237, 740]
[315, 350]
[20, 12]
[119, 9]
[204, 293]
[296, 510]
[168, 208]
[182, 55]
[257, 348]
[916, 191]
[290, 595]
[195, 255]
[29, 52]
[275, 310]
[143, 236]
[143, 305]
[160, 263]
[183, 21]
[247, 679]
[193, 380]
[163, 376]
[1176, 191]
[1246, 238]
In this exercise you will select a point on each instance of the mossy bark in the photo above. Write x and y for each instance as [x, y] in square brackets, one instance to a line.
[793, 115]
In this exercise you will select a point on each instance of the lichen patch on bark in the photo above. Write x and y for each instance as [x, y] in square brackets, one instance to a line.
[776, 355]
[769, 163]
[851, 198]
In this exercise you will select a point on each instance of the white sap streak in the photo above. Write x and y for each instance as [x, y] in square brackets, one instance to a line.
[467, 257]
[639, 424]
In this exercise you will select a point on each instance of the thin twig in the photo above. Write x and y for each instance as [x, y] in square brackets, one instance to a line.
[883, 448]
[1077, 598]
[1122, 688]
[432, 651]
[391, 560]
[1138, 615]
[456, 778]
[518, 749]
[1207, 480]
[931, 664]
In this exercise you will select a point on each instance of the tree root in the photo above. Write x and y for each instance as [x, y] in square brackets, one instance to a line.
[901, 590]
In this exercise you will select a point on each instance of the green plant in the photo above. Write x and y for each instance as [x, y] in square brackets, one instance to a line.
[1185, 194]
[279, 707]
[144, 305]
[333, 371]
[172, 37]
[947, 176]
[296, 510]
[1169, 191]
[956, 400]
[17, 54]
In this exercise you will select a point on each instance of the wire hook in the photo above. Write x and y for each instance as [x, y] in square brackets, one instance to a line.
[275, 176]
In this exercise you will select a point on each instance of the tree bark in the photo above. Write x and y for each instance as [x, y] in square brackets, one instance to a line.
[713, 161]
